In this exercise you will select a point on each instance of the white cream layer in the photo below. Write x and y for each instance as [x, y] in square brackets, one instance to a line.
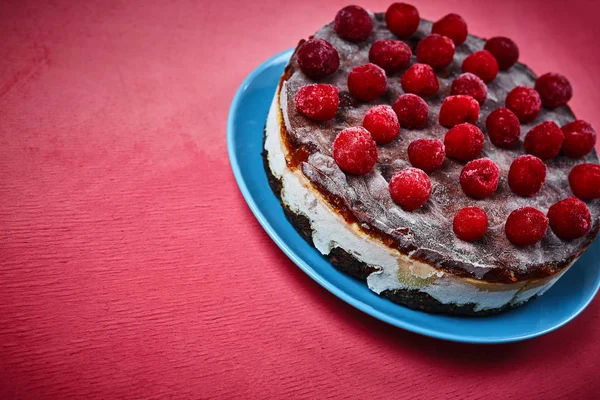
[394, 269]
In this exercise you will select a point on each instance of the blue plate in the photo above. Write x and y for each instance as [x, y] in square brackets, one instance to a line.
[563, 302]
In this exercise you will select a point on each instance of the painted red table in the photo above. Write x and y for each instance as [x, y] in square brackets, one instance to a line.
[130, 265]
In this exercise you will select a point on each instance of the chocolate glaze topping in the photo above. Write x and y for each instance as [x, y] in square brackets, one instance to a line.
[426, 234]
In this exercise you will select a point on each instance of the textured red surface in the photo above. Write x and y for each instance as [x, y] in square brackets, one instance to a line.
[130, 265]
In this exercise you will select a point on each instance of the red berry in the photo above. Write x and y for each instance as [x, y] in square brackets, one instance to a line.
[420, 80]
[526, 176]
[584, 180]
[435, 50]
[580, 138]
[410, 188]
[554, 89]
[463, 142]
[367, 82]
[318, 102]
[402, 19]
[570, 218]
[526, 226]
[355, 151]
[318, 58]
[453, 26]
[458, 109]
[412, 111]
[483, 64]
[524, 102]
[544, 140]
[479, 178]
[470, 85]
[503, 128]
[383, 124]
[391, 55]
[470, 224]
[426, 154]
[504, 50]
[353, 23]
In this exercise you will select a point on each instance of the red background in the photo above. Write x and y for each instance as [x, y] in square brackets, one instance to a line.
[130, 265]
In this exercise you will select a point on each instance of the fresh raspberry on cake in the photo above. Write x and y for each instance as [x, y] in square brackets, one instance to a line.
[318, 101]
[353, 23]
[580, 138]
[470, 85]
[426, 154]
[526, 226]
[367, 82]
[436, 51]
[463, 142]
[412, 111]
[544, 140]
[526, 175]
[355, 151]
[504, 50]
[391, 55]
[479, 178]
[483, 64]
[555, 90]
[458, 109]
[503, 128]
[402, 19]
[318, 58]
[452, 26]
[383, 124]
[525, 102]
[570, 218]
[420, 79]
[470, 224]
[410, 188]
[584, 180]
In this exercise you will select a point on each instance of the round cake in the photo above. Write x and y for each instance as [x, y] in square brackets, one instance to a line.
[380, 145]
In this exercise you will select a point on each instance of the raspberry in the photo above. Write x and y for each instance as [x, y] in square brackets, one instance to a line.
[479, 178]
[504, 50]
[570, 218]
[420, 80]
[526, 226]
[355, 151]
[353, 23]
[503, 128]
[525, 103]
[580, 138]
[383, 124]
[426, 154]
[544, 140]
[471, 85]
[410, 188]
[463, 142]
[458, 109]
[318, 102]
[435, 50]
[402, 19]
[554, 89]
[318, 58]
[367, 82]
[391, 55]
[526, 175]
[584, 180]
[481, 63]
[453, 26]
[470, 224]
[412, 111]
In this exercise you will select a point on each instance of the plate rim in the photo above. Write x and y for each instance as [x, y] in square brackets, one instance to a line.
[329, 286]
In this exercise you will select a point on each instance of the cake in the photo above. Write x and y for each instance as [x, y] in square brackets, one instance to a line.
[431, 164]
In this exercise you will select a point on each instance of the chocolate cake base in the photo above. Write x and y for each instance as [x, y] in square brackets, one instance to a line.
[348, 264]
